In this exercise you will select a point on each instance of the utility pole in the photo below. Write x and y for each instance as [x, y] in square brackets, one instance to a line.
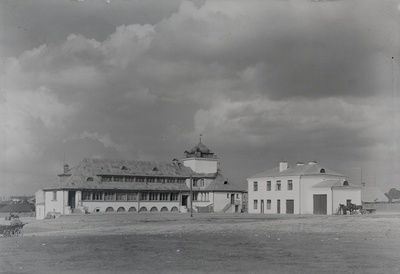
[191, 196]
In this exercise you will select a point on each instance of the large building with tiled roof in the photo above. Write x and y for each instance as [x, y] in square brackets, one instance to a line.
[300, 189]
[105, 185]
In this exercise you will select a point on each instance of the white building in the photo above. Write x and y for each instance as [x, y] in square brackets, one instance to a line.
[105, 185]
[301, 189]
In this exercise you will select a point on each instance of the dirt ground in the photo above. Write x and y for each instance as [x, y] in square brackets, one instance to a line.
[206, 243]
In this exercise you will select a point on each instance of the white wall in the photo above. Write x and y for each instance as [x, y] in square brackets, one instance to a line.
[201, 165]
[263, 195]
[222, 199]
[341, 195]
[40, 212]
[307, 190]
[55, 205]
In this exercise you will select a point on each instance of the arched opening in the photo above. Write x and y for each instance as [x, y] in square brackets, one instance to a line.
[153, 209]
[132, 209]
[109, 209]
[174, 209]
[226, 182]
[164, 209]
[142, 209]
[322, 170]
[97, 209]
[121, 209]
[89, 179]
[124, 168]
[346, 183]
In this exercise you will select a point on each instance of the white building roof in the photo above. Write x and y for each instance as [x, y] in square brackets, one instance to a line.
[304, 169]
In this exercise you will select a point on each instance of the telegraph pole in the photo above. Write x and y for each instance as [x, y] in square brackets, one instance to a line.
[191, 196]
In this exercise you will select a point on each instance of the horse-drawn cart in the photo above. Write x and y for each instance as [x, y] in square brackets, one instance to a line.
[11, 230]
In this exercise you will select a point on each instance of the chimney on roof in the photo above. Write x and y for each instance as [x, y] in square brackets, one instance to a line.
[283, 166]
[66, 168]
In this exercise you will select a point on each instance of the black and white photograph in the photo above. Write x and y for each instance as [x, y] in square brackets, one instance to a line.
[200, 136]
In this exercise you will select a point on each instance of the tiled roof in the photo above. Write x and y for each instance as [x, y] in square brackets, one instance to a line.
[220, 183]
[306, 169]
[200, 147]
[372, 194]
[94, 167]
[335, 184]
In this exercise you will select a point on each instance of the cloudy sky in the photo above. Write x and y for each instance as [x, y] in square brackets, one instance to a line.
[260, 80]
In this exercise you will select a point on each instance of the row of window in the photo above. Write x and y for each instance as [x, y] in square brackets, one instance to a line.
[139, 179]
[255, 204]
[198, 183]
[278, 185]
[129, 196]
[200, 196]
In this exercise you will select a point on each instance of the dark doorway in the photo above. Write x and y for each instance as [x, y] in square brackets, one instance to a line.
[185, 200]
[320, 204]
[278, 206]
[289, 206]
[71, 199]
[232, 199]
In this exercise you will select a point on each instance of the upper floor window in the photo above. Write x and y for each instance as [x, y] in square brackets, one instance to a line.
[97, 196]
[174, 196]
[153, 196]
[140, 179]
[163, 196]
[86, 196]
[109, 196]
[278, 185]
[202, 182]
[132, 196]
[89, 179]
[268, 185]
[129, 179]
[194, 182]
[150, 180]
[170, 180]
[118, 178]
[255, 186]
[289, 185]
[54, 195]
[121, 196]
[107, 178]
[143, 196]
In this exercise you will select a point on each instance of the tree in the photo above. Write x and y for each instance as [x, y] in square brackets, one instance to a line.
[393, 194]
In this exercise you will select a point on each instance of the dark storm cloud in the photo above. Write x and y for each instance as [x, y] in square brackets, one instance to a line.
[142, 80]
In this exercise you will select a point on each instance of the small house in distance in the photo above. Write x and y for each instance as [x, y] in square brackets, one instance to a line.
[107, 185]
[300, 189]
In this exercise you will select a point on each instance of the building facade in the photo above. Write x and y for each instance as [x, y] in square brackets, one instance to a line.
[105, 185]
[301, 189]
